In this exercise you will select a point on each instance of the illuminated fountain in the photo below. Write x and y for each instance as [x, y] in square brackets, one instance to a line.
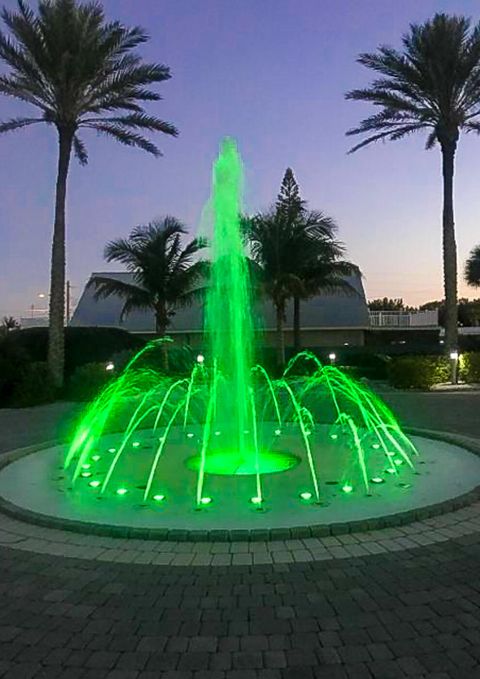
[225, 433]
[227, 452]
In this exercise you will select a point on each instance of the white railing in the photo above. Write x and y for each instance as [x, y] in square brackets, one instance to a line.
[403, 319]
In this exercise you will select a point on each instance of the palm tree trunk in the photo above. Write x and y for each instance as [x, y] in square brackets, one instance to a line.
[449, 247]
[56, 339]
[280, 337]
[296, 325]
[161, 328]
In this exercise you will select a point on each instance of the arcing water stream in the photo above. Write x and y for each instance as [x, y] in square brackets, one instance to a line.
[228, 417]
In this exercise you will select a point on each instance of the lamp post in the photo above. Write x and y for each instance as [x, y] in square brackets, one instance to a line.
[454, 365]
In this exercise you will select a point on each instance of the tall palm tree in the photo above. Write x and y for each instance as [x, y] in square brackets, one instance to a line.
[432, 85]
[165, 275]
[80, 73]
[472, 268]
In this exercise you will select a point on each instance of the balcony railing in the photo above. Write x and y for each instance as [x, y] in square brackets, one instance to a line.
[402, 319]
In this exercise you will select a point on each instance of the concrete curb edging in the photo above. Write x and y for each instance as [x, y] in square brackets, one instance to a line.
[297, 532]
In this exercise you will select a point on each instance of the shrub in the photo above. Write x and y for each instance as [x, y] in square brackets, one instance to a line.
[181, 359]
[34, 386]
[87, 381]
[418, 372]
[82, 345]
[470, 367]
[12, 364]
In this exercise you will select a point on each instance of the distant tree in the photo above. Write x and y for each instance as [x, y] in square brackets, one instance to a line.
[386, 304]
[468, 311]
[166, 276]
[81, 73]
[319, 267]
[289, 203]
[433, 84]
[472, 268]
[295, 261]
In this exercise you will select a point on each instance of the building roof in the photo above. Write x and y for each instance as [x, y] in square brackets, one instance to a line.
[332, 310]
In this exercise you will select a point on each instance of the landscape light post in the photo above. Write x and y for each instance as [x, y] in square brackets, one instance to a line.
[454, 366]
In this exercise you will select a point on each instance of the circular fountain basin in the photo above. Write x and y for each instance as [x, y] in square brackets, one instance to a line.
[35, 487]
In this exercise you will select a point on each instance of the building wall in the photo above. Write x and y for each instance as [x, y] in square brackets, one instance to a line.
[311, 338]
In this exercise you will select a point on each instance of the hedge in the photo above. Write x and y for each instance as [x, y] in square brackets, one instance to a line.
[418, 372]
[82, 345]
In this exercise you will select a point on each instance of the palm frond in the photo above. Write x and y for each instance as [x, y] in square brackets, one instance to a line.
[124, 137]
[472, 268]
[18, 123]
[106, 287]
[80, 150]
[434, 82]
[67, 61]
[137, 121]
[123, 250]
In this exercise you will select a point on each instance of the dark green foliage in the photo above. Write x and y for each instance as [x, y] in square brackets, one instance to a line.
[80, 72]
[470, 367]
[430, 86]
[387, 304]
[83, 345]
[418, 372]
[12, 362]
[181, 359]
[289, 203]
[87, 381]
[34, 386]
[472, 268]
[468, 311]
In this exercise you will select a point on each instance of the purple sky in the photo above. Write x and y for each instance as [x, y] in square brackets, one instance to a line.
[272, 74]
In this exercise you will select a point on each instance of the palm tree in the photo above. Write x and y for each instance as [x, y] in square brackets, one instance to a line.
[472, 268]
[295, 260]
[319, 263]
[10, 323]
[80, 73]
[272, 246]
[432, 85]
[165, 275]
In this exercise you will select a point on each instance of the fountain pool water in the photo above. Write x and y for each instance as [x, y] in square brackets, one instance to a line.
[228, 418]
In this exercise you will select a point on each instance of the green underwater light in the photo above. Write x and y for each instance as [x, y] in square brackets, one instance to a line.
[122, 491]
[347, 488]
[159, 498]
[306, 495]
[232, 463]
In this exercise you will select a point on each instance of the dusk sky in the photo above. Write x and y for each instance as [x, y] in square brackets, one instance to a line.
[271, 73]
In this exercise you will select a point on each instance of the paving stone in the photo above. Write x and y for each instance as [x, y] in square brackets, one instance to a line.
[411, 613]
